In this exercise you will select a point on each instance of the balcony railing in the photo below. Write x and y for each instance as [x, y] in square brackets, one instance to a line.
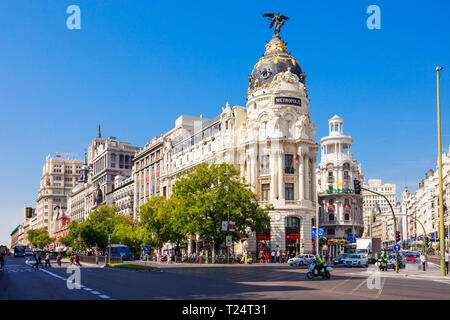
[264, 171]
[289, 170]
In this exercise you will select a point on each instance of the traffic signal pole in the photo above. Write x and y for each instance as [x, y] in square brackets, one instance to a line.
[393, 214]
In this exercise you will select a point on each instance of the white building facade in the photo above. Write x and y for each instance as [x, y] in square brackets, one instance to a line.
[340, 209]
[271, 142]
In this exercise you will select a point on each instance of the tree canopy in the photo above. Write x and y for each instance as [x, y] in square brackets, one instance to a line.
[39, 238]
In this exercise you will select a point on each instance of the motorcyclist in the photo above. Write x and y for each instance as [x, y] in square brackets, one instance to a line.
[384, 260]
[318, 264]
[58, 258]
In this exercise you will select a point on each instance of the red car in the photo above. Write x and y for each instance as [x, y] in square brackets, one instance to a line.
[412, 257]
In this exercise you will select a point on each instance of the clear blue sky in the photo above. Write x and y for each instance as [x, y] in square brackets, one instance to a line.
[135, 66]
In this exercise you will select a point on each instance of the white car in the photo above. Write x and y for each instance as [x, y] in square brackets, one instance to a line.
[356, 260]
[28, 252]
[300, 260]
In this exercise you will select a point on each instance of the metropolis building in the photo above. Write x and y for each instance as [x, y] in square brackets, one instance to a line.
[271, 142]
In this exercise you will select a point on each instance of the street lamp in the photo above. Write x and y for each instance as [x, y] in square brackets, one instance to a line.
[441, 202]
[226, 174]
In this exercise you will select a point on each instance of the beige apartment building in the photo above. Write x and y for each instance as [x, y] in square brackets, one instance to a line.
[383, 227]
[59, 176]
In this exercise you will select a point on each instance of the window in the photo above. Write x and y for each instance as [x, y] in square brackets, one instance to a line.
[292, 222]
[330, 173]
[289, 191]
[347, 217]
[346, 176]
[57, 191]
[265, 192]
[331, 217]
[113, 160]
[330, 232]
[288, 163]
[57, 178]
[67, 179]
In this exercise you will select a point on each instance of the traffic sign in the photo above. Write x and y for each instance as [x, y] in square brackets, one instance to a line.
[224, 225]
[397, 248]
[228, 241]
[146, 248]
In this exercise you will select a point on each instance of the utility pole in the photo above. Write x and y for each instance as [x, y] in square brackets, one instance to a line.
[441, 200]
[228, 224]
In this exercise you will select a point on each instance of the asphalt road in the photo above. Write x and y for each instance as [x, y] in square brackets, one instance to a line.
[235, 282]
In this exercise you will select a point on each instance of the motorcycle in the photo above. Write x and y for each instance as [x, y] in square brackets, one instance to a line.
[325, 272]
[58, 260]
[381, 264]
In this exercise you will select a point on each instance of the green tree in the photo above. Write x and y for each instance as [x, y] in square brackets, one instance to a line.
[202, 194]
[39, 238]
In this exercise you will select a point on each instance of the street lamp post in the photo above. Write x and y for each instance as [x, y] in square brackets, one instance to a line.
[395, 221]
[228, 224]
[441, 202]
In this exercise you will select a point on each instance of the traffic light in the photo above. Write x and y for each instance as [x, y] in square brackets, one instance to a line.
[426, 242]
[29, 212]
[357, 186]
[397, 236]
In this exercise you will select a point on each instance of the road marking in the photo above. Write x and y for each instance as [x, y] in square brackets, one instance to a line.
[103, 296]
[443, 281]
[65, 279]
[381, 289]
[359, 286]
[341, 283]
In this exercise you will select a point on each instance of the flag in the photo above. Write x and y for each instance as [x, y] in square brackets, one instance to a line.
[91, 166]
[296, 159]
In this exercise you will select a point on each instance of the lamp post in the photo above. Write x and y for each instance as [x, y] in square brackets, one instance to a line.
[441, 202]
[226, 174]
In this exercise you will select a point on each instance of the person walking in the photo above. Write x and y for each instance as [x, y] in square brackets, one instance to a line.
[77, 259]
[272, 256]
[47, 260]
[278, 256]
[422, 259]
[36, 258]
[58, 258]
[446, 261]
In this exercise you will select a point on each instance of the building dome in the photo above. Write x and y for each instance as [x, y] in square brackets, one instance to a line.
[276, 59]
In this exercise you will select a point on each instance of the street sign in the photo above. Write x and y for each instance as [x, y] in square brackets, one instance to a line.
[224, 226]
[397, 248]
[314, 233]
[228, 241]
[232, 226]
[146, 248]
[320, 232]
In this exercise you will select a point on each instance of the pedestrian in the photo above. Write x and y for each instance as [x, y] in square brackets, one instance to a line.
[422, 259]
[77, 259]
[267, 256]
[36, 258]
[272, 256]
[47, 260]
[278, 256]
[40, 259]
[446, 261]
[58, 258]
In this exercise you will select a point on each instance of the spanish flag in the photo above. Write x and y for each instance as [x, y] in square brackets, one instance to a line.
[296, 159]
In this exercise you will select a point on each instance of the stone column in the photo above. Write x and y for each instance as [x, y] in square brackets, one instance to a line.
[301, 175]
[273, 176]
[307, 186]
[280, 175]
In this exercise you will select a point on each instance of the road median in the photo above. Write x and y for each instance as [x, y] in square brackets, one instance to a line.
[133, 267]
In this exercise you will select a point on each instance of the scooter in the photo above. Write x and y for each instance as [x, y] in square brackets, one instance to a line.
[249, 260]
[325, 272]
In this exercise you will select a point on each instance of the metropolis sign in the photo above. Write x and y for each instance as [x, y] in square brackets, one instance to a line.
[288, 100]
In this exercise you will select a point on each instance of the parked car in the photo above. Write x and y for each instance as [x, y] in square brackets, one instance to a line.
[339, 259]
[356, 260]
[28, 252]
[391, 262]
[300, 260]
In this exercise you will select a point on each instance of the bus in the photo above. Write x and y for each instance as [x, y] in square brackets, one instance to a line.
[19, 250]
[350, 248]
[119, 250]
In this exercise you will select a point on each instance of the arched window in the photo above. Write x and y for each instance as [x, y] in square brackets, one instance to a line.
[347, 217]
[331, 217]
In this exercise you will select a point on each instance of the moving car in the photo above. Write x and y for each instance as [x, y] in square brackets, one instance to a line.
[300, 260]
[412, 257]
[28, 252]
[339, 259]
[356, 260]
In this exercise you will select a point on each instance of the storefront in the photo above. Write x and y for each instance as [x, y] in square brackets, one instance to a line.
[292, 235]
[263, 245]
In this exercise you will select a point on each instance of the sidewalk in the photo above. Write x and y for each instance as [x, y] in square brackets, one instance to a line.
[411, 271]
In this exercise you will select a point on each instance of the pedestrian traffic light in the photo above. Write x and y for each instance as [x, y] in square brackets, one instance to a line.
[357, 186]
[426, 242]
[397, 236]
